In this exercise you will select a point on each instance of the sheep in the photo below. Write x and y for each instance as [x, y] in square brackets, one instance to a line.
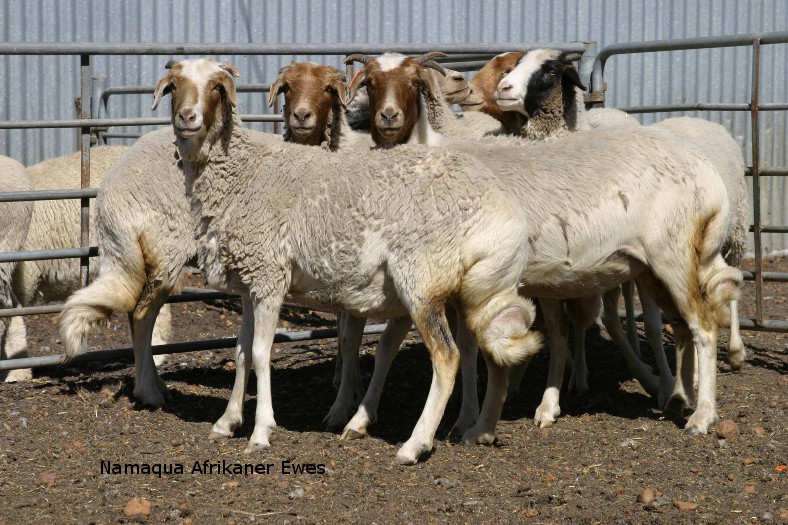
[144, 234]
[14, 223]
[417, 235]
[670, 199]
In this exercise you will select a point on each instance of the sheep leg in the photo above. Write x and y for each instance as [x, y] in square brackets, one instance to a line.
[516, 374]
[469, 411]
[266, 315]
[350, 387]
[583, 311]
[233, 414]
[736, 351]
[637, 368]
[338, 358]
[388, 346]
[555, 326]
[14, 346]
[629, 305]
[162, 332]
[148, 387]
[434, 330]
[652, 325]
[483, 432]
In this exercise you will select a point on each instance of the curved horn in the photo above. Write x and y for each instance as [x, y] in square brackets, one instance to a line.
[169, 64]
[434, 65]
[429, 56]
[571, 57]
[358, 57]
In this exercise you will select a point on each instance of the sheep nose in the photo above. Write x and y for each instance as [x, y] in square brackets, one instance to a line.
[302, 114]
[389, 115]
[505, 86]
[187, 115]
[459, 77]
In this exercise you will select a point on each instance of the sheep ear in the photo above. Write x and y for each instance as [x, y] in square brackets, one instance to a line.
[276, 87]
[569, 73]
[230, 69]
[229, 90]
[355, 84]
[163, 87]
[339, 86]
[429, 85]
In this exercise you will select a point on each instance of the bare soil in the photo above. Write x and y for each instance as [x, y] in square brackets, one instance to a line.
[608, 448]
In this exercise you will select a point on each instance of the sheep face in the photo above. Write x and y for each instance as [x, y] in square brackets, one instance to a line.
[485, 82]
[394, 84]
[538, 76]
[311, 92]
[203, 94]
[454, 86]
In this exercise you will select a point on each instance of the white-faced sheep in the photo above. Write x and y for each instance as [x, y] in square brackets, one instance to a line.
[144, 233]
[14, 224]
[669, 201]
[384, 233]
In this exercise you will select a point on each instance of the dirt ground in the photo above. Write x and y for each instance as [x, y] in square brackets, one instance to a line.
[608, 449]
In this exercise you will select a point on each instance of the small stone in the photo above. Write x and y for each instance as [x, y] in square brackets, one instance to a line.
[47, 478]
[231, 484]
[727, 429]
[748, 461]
[730, 477]
[684, 505]
[767, 516]
[296, 493]
[531, 513]
[784, 514]
[646, 496]
[749, 489]
[694, 470]
[759, 431]
[470, 503]
[773, 403]
[137, 507]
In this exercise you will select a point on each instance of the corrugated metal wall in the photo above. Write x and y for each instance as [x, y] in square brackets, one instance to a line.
[45, 87]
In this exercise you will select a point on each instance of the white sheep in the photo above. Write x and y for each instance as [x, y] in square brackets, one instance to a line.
[665, 198]
[143, 230]
[14, 224]
[384, 233]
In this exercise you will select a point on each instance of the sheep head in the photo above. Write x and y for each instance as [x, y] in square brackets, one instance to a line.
[203, 96]
[311, 92]
[394, 84]
[453, 85]
[538, 76]
[484, 84]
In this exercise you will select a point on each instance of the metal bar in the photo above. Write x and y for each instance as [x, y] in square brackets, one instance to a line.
[756, 181]
[176, 348]
[147, 121]
[768, 277]
[768, 172]
[47, 195]
[700, 106]
[121, 135]
[40, 255]
[771, 229]
[597, 77]
[769, 325]
[134, 48]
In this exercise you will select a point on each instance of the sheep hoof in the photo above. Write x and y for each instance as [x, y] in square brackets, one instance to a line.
[409, 454]
[675, 406]
[478, 437]
[350, 433]
[691, 431]
[22, 374]
[216, 436]
[736, 357]
[252, 448]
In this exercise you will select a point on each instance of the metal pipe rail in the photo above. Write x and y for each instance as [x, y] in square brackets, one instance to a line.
[756, 40]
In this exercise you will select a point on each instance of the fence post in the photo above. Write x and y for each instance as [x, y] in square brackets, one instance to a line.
[756, 181]
[84, 261]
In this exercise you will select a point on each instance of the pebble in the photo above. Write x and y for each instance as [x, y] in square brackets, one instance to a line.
[684, 505]
[749, 489]
[137, 507]
[531, 513]
[470, 503]
[47, 478]
[727, 429]
[296, 493]
[749, 461]
[759, 431]
[767, 516]
[694, 470]
[646, 496]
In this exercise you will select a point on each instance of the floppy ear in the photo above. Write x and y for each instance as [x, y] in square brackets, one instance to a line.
[355, 84]
[229, 89]
[569, 74]
[429, 85]
[163, 87]
[277, 87]
[339, 86]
